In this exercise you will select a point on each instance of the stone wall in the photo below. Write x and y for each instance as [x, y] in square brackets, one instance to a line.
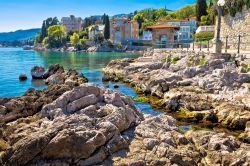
[235, 26]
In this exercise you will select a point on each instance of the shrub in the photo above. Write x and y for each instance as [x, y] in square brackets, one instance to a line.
[109, 44]
[204, 36]
[120, 76]
[202, 61]
[83, 42]
[118, 45]
[175, 59]
[245, 67]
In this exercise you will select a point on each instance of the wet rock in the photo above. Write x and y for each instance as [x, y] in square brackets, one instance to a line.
[55, 79]
[23, 77]
[33, 100]
[105, 78]
[116, 86]
[53, 69]
[37, 72]
[245, 136]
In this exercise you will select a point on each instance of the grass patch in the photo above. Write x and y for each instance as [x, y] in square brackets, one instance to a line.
[202, 61]
[167, 60]
[175, 59]
[139, 90]
[245, 67]
[120, 76]
[140, 99]
[126, 81]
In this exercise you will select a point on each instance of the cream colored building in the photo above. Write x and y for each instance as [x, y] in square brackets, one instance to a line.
[72, 23]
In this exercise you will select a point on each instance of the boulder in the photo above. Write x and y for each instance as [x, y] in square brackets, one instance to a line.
[37, 72]
[78, 128]
[53, 69]
[23, 77]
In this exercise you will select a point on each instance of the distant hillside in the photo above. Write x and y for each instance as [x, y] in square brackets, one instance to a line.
[19, 35]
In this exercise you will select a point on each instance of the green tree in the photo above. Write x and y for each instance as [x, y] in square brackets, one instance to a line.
[56, 37]
[186, 12]
[139, 18]
[74, 39]
[46, 24]
[107, 27]
[38, 39]
[204, 20]
[201, 9]
[98, 39]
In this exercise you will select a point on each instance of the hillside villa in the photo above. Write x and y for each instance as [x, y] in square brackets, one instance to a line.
[186, 31]
[72, 23]
[95, 30]
[124, 30]
[183, 31]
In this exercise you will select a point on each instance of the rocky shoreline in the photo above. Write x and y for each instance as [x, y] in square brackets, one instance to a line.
[89, 49]
[195, 87]
[74, 123]
[90, 125]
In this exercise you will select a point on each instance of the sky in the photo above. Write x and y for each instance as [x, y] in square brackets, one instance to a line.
[27, 14]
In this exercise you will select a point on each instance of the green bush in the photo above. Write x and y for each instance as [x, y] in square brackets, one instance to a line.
[202, 61]
[245, 67]
[175, 59]
[204, 36]
[234, 6]
[109, 44]
[118, 45]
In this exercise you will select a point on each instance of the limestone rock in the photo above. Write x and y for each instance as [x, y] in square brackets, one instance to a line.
[37, 72]
[80, 127]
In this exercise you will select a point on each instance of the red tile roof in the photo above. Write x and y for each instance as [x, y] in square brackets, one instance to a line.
[163, 26]
[183, 20]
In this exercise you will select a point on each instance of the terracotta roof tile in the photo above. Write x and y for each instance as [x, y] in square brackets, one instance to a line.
[163, 26]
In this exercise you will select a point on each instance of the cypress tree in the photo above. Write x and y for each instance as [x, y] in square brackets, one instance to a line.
[103, 18]
[201, 9]
[43, 30]
[107, 28]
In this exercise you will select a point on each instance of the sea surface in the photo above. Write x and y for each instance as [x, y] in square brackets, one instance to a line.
[14, 61]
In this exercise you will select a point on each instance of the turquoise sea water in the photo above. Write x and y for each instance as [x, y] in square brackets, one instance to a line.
[14, 61]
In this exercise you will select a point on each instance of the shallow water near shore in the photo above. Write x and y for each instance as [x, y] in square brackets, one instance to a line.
[14, 61]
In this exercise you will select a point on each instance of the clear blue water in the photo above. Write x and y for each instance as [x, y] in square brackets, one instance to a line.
[14, 61]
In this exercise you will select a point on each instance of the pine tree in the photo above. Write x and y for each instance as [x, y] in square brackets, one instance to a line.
[201, 9]
[107, 27]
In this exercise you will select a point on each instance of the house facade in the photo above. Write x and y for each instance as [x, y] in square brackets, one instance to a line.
[163, 35]
[72, 23]
[147, 35]
[187, 28]
[207, 28]
[95, 30]
[123, 30]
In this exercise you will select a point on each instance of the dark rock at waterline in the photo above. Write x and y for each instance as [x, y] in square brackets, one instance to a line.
[116, 86]
[23, 77]
[53, 69]
[37, 72]
[105, 78]
[33, 100]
